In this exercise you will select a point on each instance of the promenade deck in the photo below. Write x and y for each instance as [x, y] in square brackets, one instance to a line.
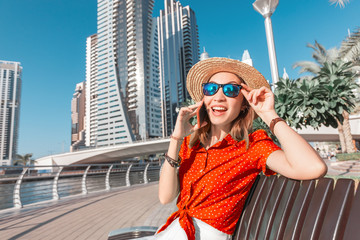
[89, 217]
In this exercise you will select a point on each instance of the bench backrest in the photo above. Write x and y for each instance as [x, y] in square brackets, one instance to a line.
[281, 208]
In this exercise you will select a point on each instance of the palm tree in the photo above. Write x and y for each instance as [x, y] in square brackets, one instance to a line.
[330, 65]
[350, 51]
[321, 56]
[340, 86]
[24, 159]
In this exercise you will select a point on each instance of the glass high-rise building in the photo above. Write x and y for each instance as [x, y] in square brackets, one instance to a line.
[10, 90]
[122, 74]
[90, 89]
[179, 51]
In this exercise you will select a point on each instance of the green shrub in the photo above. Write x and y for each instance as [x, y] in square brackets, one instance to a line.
[348, 156]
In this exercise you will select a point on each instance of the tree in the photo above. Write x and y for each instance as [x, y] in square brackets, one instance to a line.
[350, 51]
[330, 65]
[322, 57]
[341, 80]
[24, 159]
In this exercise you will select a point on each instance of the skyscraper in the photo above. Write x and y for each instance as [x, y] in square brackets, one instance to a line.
[122, 72]
[78, 117]
[90, 89]
[10, 90]
[179, 51]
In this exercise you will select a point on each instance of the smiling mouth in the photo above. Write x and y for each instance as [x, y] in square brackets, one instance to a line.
[219, 109]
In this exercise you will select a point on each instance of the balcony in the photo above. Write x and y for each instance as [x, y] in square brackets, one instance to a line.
[133, 101]
[132, 106]
[131, 38]
[132, 63]
[131, 74]
[132, 58]
[132, 84]
[132, 96]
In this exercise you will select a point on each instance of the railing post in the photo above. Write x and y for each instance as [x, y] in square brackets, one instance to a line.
[145, 174]
[16, 196]
[128, 176]
[107, 179]
[55, 193]
[83, 183]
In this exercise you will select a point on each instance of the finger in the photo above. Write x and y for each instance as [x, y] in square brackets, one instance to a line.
[250, 96]
[256, 96]
[186, 110]
[244, 92]
[196, 105]
[196, 127]
[246, 87]
[265, 89]
[192, 114]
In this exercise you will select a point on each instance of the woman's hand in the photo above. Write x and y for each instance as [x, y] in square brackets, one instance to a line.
[261, 100]
[183, 127]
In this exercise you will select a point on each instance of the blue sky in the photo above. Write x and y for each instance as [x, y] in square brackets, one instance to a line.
[48, 37]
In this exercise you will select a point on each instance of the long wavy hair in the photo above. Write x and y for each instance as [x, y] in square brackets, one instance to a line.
[240, 126]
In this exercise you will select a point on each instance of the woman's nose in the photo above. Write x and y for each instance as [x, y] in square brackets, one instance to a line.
[219, 96]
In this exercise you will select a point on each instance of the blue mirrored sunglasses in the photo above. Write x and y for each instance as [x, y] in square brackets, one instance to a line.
[229, 90]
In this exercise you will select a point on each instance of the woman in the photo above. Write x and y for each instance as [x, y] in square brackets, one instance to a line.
[220, 160]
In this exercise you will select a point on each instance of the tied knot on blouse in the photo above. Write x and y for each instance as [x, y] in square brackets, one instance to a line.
[214, 183]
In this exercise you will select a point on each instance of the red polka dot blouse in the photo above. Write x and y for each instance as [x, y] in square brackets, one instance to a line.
[214, 183]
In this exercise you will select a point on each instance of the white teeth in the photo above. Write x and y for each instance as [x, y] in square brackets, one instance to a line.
[219, 108]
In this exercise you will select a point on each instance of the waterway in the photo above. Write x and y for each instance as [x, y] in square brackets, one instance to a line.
[41, 190]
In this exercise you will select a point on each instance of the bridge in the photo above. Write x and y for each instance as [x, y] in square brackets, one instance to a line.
[121, 152]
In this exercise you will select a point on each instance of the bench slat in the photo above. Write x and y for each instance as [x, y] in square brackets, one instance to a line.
[352, 230]
[248, 212]
[271, 210]
[284, 209]
[299, 210]
[261, 206]
[338, 210]
[317, 209]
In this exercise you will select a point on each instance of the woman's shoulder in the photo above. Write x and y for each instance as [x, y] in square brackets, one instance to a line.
[257, 135]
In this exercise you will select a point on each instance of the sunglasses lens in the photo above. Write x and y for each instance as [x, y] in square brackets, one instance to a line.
[210, 89]
[231, 90]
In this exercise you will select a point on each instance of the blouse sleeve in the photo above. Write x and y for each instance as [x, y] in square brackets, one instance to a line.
[184, 148]
[262, 146]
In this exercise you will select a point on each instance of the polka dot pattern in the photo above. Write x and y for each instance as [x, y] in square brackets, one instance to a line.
[214, 183]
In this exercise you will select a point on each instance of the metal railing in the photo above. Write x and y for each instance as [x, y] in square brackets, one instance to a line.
[23, 185]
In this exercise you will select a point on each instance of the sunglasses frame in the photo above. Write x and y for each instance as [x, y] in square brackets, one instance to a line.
[221, 86]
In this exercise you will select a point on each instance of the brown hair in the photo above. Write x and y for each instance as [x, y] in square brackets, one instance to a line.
[240, 126]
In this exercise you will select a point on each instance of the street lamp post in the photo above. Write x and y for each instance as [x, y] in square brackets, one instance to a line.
[266, 8]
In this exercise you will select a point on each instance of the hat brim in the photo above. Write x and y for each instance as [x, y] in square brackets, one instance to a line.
[202, 71]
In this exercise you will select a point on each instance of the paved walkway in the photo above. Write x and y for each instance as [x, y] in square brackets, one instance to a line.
[347, 173]
[90, 217]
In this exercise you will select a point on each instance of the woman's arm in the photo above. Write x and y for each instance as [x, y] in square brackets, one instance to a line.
[169, 180]
[298, 160]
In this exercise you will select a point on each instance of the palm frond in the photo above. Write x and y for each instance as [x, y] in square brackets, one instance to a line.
[320, 48]
[341, 3]
[355, 69]
[332, 54]
[350, 47]
[320, 54]
[307, 66]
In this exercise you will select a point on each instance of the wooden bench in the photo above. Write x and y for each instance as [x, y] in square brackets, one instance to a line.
[281, 208]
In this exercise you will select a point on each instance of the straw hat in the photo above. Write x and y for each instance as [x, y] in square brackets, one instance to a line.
[202, 71]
